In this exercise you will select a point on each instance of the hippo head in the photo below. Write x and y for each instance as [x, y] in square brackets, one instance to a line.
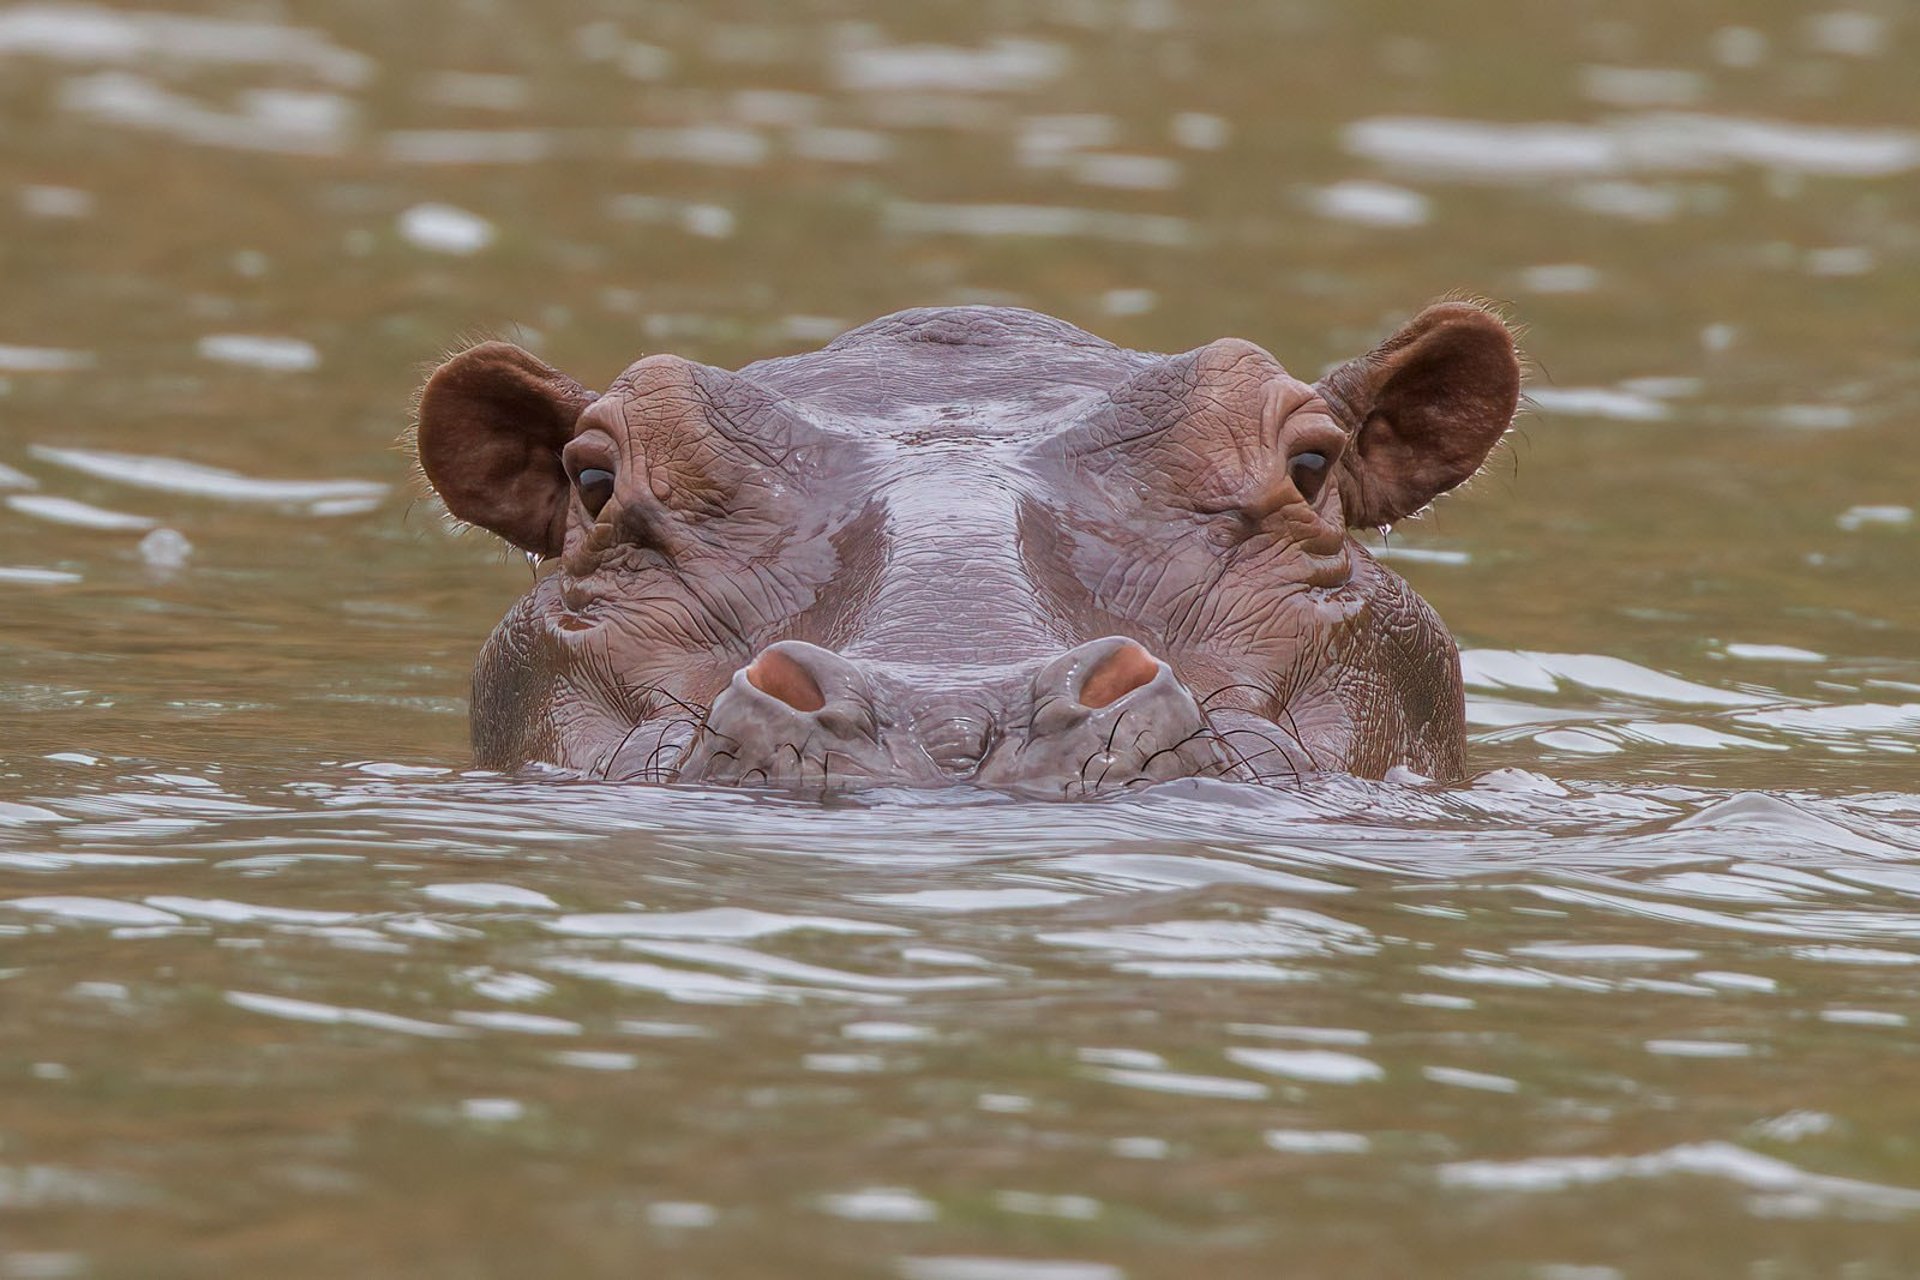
[969, 545]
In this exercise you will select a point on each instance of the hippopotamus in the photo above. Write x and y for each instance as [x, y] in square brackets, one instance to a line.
[969, 545]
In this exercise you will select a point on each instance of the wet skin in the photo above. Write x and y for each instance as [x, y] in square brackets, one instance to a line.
[969, 545]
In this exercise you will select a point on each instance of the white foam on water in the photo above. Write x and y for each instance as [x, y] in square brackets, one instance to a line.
[1598, 402]
[87, 33]
[1461, 1078]
[1321, 1066]
[1606, 952]
[1698, 1049]
[169, 475]
[1544, 673]
[1285, 933]
[684, 986]
[281, 355]
[879, 1204]
[1490, 975]
[443, 228]
[1560, 277]
[483, 894]
[1586, 742]
[493, 1110]
[43, 360]
[533, 1024]
[1183, 1083]
[1721, 1160]
[1864, 1017]
[887, 1032]
[715, 923]
[1697, 737]
[597, 1059]
[77, 515]
[968, 900]
[1317, 1142]
[1772, 653]
[28, 576]
[1371, 204]
[1736, 981]
[68, 861]
[286, 121]
[844, 1064]
[166, 551]
[293, 1010]
[43, 200]
[1050, 141]
[1860, 517]
[84, 910]
[1001, 66]
[1839, 723]
[229, 912]
[1670, 141]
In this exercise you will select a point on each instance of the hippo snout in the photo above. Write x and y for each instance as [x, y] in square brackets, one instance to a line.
[797, 715]
[1103, 715]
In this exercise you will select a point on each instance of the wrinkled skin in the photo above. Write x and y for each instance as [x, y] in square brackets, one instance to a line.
[969, 545]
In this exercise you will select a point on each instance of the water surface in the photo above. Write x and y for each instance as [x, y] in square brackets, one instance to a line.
[286, 989]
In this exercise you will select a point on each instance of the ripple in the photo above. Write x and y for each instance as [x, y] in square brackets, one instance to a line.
[169, 475]
[1676, 142]
[1721, 1160]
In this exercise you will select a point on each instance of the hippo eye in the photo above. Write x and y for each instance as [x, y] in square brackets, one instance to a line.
[596, 486]
[1308, 471]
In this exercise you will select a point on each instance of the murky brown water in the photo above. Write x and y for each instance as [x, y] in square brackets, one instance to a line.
[284, 992]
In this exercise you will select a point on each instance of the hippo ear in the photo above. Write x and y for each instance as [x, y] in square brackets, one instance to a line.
[1429, 404]
[492, 423]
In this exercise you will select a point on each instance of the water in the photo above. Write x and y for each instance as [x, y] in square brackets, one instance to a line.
[284, 990]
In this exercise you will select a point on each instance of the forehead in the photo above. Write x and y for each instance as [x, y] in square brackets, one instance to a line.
[954, 373]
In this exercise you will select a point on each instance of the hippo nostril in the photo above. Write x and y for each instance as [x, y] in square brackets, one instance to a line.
[1126, 668]
[778, 674]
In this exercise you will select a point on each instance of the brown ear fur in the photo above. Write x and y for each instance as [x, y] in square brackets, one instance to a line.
[493, 420]
[1427, 406]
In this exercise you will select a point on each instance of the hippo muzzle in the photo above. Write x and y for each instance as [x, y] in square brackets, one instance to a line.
[1103, 715]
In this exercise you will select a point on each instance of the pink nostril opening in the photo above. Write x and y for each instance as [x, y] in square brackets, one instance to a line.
[779, 675]
[1117, 675]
